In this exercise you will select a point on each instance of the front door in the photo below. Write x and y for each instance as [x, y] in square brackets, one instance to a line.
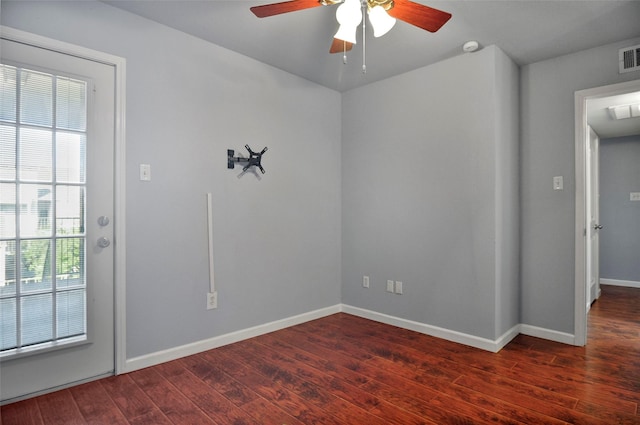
[56, 223]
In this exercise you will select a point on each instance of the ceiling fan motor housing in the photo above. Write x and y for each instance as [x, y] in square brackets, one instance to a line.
[386, 4]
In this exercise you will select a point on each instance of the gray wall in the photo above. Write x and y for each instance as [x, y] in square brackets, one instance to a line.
[547, 150]
[429, 185]
[620, 238]
[421, 155]
[277, 240]
[507, 151]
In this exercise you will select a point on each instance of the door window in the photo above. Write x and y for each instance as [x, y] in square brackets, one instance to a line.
[43, 125]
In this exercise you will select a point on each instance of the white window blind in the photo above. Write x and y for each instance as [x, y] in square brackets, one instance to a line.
[42, 209]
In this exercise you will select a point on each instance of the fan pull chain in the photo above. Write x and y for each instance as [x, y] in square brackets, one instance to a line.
[364, 39]
[344, 52]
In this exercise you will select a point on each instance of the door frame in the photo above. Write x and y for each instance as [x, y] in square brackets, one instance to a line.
[119, 243]
[581, 132]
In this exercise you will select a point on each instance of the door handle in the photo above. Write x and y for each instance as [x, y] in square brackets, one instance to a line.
[103, 242]
[103, 220]
[597, 226]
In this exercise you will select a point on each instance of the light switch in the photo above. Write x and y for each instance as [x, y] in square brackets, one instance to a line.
[145, 172]
[634, 196]
[558, 183]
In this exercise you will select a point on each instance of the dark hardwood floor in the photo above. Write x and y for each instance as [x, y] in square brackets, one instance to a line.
[347, 370]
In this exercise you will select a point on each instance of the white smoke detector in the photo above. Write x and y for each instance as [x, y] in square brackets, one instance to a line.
[470, 46]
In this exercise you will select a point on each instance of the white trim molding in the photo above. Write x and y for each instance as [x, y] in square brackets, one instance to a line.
[119, 65]
[493, 346]
[616, 282]
[462, 338]
[438, 332]
[548, 334]
[174, 353]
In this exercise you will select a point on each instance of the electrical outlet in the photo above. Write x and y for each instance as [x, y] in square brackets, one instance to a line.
[390, 286]
[398, 287]
[558, 183]
[365, 281]
[212, 300]
[634, 196]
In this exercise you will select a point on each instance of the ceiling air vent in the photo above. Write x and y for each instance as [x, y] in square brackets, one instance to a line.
[629, 59]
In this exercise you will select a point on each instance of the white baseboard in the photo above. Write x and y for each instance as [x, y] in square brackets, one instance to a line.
[615, 282]
[438, 332]
[170, 354]
[507, 337]
[549, 334]
[494, 346]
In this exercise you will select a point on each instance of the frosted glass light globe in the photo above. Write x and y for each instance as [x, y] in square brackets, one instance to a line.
[349, 17]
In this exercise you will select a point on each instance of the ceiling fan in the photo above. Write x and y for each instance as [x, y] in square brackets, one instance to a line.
[382, 15]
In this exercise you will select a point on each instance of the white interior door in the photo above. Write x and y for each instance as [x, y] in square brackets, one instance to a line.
[593, 214]
[57, 205]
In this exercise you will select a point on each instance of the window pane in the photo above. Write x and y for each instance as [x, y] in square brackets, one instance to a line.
[7, 210]
[35, 210]
[71, 104]
[35, 265]
[69, 210]
[8, 76]
[33, 246]
[36, 106]
[70, 262]
[70, 157]
[35, 155]
[7, 268]
[7, 152]
[8, 324]
[36, 318]
[70, 308]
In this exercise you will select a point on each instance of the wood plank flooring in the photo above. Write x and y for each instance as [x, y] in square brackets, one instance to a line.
[347, 370]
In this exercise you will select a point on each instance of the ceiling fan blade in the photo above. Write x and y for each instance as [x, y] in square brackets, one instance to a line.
[421, 16]
[339, 46]
[283, 7]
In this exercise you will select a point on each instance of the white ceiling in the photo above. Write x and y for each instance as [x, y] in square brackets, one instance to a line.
[298, 42]
[603, 123]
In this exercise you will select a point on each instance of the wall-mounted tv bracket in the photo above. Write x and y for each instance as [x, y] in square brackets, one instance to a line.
[253, 160]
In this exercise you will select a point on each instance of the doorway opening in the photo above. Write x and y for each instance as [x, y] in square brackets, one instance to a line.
[586, 200]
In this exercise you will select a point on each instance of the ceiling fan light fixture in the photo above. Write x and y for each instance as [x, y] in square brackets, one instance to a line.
[380, 21]
[346, 33]
[349, 17]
